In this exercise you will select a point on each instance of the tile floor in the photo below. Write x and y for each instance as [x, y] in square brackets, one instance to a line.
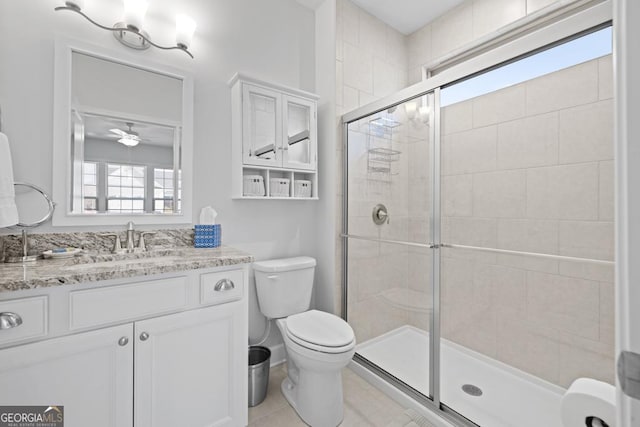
[364, 405]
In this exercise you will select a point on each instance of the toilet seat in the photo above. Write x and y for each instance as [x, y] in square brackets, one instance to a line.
[320, 331]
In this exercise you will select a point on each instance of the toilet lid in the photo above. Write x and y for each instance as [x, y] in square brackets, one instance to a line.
[320, 328]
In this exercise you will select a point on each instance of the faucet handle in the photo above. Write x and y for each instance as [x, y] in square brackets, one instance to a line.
[141, 243]
[117, 244]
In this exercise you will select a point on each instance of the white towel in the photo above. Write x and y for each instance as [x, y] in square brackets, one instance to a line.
[8, 208]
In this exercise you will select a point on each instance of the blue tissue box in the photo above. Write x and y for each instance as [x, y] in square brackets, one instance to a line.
[207, 236]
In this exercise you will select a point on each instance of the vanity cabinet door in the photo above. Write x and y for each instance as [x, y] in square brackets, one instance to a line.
[191, 368]
[261, 126]
[299, 133]
[90, 374]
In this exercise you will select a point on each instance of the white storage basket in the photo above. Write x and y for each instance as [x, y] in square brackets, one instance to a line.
[279, 187]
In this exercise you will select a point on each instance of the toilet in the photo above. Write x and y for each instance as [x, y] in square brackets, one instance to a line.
[318, 344]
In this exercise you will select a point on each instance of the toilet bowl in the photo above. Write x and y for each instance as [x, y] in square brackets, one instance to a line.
[318, 344]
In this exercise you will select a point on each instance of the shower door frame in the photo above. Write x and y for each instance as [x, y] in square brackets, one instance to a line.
[568, 28]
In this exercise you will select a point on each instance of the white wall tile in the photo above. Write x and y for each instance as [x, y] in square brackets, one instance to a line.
[452, 30]
[350, 22]
[499, 194]
[563, 192]
[605, 77]
[339, 84]
[607, 312]
[528, 142]
[372, 33]
[470, 151]
[586, 133]
[520, 346]
[350, 98]
[385, 78]
[395, 47]
[473, 232]
[528, 235]
[419, 46]
[607, 191]
[499, 106]
[587, 239]
[358, 68]
[457, 117]
[457, 195]
[570, 87]
[489, 15]
[576, 362]
[564, 303]
[587, 270]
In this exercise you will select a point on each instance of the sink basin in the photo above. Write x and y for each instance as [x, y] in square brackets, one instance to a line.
[159, 255]
[124, 264]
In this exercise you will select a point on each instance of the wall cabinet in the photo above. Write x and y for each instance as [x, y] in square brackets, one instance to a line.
[274, 137]
[187, 368]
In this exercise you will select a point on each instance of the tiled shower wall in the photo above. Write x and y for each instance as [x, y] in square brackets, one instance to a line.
[374, 60]
[526, 168]
[530, 168]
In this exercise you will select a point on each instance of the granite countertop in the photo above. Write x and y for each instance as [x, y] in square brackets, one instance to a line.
[94, 267]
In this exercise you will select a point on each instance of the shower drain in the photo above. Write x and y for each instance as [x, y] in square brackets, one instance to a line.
[472, 390]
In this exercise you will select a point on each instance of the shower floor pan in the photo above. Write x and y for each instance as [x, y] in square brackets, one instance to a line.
[509, 397]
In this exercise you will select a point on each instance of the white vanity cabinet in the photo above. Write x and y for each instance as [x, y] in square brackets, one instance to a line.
[274, 137]
[188, 369]
[90, 374]
[150, 361]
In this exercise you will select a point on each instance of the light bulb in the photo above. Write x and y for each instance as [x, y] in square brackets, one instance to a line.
[128, 141]
[134, 11]
[75, 4]
[424, 112]
[185, 27]
[410, 108]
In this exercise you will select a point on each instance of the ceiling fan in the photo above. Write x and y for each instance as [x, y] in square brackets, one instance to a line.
[130, 138]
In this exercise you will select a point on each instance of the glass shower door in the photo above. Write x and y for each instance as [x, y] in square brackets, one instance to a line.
[389, 259]
[527, 228]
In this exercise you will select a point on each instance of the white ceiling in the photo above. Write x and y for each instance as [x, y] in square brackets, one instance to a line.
[407, 16]
[151, 134]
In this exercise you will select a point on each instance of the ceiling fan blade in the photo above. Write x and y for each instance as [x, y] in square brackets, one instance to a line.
[118, 132]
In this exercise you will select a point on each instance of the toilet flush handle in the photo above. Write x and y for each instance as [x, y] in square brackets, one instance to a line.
[272, 277]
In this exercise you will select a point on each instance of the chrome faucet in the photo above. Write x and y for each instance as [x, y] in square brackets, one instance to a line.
[130, 237]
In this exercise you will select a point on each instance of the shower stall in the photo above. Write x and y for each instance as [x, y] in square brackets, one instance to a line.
[478, 230]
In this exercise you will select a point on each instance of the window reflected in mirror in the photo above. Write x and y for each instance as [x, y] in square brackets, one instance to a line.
[124, 166]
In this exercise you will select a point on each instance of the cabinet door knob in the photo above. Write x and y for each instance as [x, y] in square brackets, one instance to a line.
[144, 336]
[9, 320]
[123, 341]
[224, 285]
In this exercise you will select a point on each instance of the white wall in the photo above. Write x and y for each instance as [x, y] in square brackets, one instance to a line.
[271, 39]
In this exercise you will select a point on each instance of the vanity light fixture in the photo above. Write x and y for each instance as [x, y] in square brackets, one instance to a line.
[130, 32]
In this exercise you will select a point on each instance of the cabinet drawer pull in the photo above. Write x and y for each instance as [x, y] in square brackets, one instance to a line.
[9, 320]
[144, 336]
[123, 341]
[224, 285]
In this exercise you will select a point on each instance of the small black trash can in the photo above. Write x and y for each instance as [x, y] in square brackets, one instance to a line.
[259, 359]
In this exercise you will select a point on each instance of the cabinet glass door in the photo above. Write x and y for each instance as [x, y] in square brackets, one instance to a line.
[261, 130]
[299, 137]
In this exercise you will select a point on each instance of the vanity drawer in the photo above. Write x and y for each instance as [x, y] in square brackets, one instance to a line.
[112, 304]
[216, 288]
[34, 315]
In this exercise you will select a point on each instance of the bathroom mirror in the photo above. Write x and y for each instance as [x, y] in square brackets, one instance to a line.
[122, 139]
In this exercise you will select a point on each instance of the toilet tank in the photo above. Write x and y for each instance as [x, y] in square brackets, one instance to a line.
[284, 285]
